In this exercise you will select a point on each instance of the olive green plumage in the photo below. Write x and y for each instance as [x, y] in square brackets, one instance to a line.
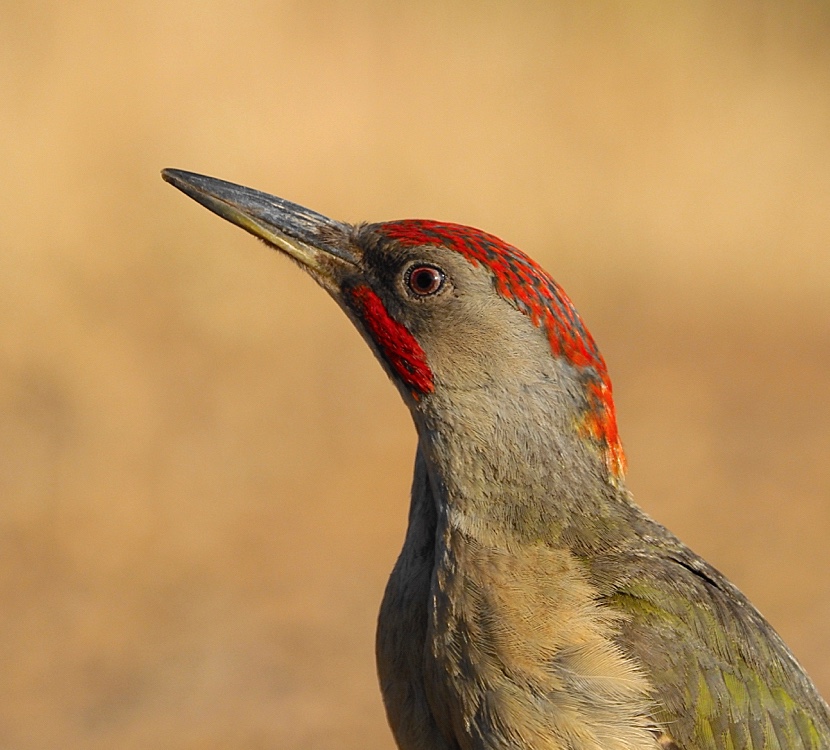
[533, 606]
[723, 678]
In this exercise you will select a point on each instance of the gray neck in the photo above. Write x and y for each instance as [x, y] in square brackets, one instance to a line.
[509, 465]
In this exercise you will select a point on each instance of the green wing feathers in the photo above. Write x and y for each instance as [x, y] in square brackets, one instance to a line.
[724, 680]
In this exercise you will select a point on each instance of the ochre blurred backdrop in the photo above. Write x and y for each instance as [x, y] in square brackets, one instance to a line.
[204, 473]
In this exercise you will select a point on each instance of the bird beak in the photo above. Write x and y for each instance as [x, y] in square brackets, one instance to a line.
[313, 240]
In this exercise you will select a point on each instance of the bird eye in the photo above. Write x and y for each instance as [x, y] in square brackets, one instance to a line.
[424, 280]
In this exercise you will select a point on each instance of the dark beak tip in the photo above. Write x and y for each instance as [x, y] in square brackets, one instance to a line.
[170, 175]
[185, 181]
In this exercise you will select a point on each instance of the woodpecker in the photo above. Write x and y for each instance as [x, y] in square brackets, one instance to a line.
[534, 605]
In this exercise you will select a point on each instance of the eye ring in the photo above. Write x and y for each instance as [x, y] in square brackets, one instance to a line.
[424, 280]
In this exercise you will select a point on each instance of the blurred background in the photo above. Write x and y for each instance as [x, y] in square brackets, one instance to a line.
[203, 472]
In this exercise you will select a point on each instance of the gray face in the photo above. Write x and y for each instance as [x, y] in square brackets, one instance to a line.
[470, 335]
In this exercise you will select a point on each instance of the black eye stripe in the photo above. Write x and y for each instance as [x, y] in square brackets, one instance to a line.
[424, 280]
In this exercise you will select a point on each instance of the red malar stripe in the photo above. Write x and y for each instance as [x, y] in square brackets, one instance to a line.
[396, 343]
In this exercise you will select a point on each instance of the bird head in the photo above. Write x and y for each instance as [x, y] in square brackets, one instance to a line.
[453, 313]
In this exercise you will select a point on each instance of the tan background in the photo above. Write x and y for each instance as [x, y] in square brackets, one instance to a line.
[204, 472]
